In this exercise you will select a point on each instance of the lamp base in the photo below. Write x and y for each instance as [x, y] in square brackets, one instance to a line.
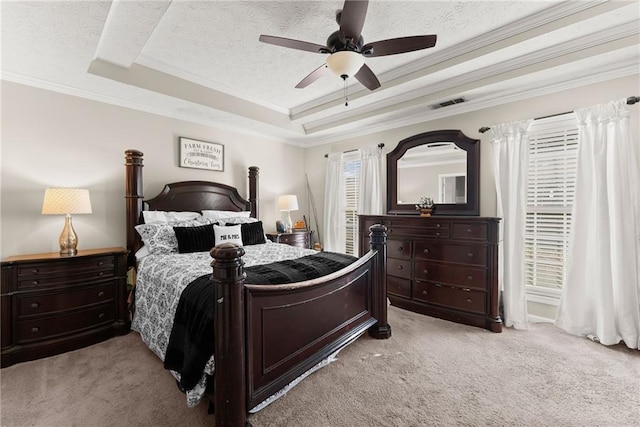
[68, 239]
[289, 222]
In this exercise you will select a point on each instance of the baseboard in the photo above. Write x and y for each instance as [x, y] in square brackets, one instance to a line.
[539, 319]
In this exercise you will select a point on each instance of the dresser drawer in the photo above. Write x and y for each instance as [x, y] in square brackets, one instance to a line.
[398, 286]
[51, 302]
[450, 296]
[463, 254]
[399, 267]
[420, 232]
[470, 231]
[48, 327]
[66, 280]
[445, 273]
[399, 248]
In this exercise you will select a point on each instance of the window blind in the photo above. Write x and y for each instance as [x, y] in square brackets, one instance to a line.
[550, 194]
[351, 168]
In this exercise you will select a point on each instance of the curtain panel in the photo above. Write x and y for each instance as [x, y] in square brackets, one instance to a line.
[601, 296]
[334, 215]
[511, 164]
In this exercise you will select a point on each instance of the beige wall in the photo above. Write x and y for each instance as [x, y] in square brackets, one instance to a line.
[50, 139]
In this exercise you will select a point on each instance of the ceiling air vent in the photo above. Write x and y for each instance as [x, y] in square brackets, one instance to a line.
[447, 103]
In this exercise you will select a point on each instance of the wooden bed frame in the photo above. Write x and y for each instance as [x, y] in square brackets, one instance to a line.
[266, 336]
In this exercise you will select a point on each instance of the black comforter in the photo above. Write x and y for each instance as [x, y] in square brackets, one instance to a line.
[191, 342]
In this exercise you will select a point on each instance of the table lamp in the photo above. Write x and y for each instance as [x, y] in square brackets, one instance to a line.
[288, 203]
[66, 201]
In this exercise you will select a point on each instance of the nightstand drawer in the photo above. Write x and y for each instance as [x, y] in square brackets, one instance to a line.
[301, 239]
[55, 302]
[69, 279]
[61, 268]
[48, 327]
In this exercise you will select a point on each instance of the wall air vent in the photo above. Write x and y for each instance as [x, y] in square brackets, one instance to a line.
[447, 103]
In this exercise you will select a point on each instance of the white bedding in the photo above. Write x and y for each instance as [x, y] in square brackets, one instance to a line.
[162, 278]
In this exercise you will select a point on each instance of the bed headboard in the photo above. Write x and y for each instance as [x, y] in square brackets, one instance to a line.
[193, 196]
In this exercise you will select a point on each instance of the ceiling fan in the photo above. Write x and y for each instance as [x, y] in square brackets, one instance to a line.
[347, 50]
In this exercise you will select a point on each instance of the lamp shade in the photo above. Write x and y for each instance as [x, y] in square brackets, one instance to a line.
[345, 62]
[62, 201]
[288, 202]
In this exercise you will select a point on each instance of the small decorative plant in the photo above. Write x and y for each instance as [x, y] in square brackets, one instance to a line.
[425, 203]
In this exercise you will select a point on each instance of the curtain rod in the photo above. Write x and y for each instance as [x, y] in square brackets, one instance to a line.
[630, 101]
[355, 149]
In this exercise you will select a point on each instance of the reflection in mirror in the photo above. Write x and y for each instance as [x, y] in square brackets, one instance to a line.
[441, 164]
[437, 170]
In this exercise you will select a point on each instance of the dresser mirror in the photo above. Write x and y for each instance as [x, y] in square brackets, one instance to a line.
[443, 165]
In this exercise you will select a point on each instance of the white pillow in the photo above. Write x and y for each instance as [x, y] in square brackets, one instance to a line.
[230, 234]
[154, 217]
[215, 215]
[142, 252]
[236, 220]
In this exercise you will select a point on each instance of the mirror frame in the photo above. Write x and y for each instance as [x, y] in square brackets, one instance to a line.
[471, 146]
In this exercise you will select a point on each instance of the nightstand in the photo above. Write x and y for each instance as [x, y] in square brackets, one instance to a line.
[53, 304]
[301, 239]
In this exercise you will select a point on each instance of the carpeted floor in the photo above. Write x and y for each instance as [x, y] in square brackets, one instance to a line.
[431, 372]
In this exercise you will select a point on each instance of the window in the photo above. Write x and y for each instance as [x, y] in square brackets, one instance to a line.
[351, 170]
[551, 185]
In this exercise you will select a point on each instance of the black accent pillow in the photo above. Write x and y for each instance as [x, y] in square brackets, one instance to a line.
[195, 239]
[252, 233]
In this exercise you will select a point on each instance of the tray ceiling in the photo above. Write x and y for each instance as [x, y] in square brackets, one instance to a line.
[201, 61]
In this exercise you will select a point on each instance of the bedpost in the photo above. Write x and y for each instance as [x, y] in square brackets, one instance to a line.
[253, 190]
[230, 383]
[378, 242]
[133, 200]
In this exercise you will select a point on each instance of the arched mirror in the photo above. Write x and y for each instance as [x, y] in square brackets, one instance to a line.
[443, 165]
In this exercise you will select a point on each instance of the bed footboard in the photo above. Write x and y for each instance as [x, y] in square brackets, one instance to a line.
[268, 335]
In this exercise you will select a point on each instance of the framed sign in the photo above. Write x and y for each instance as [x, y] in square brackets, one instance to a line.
[201, 155]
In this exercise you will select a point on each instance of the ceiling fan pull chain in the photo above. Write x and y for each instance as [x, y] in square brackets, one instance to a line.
[346, 100]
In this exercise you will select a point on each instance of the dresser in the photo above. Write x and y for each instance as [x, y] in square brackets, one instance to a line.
[53, 304]
[301, 239]
[442, 266]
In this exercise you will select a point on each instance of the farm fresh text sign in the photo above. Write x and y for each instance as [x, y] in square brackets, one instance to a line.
[201, 155]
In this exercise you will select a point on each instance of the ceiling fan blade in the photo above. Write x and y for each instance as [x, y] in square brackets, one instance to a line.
[352, 19]
[399, 45]
[313, 76]
[294, 44]
[367, 78]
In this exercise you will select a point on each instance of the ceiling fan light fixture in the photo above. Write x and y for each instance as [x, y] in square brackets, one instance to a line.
[345, 62]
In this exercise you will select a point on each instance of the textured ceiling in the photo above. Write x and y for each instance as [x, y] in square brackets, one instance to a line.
[202, 61]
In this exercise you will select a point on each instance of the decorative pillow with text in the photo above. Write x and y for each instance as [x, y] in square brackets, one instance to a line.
[231, 234]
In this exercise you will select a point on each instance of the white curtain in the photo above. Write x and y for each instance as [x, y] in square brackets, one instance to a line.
[334, 215]
[601, 298]
[511, 164]
[370, 181]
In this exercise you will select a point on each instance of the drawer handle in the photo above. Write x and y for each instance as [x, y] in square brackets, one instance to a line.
[425, 271]
[426, 251]
[35, 330]
[438, 234]
[400, 248]
[469, 278]
[101, 273]
[466, 289]
[438, 285]
[101, 316]
[469, 300]
[101, 293]
[35, 305]
[35, 271]
[424, 292]
[35, 282]
[438, 225]
[468, 230]
[399, 267]
[101, 263]
[470, 254]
